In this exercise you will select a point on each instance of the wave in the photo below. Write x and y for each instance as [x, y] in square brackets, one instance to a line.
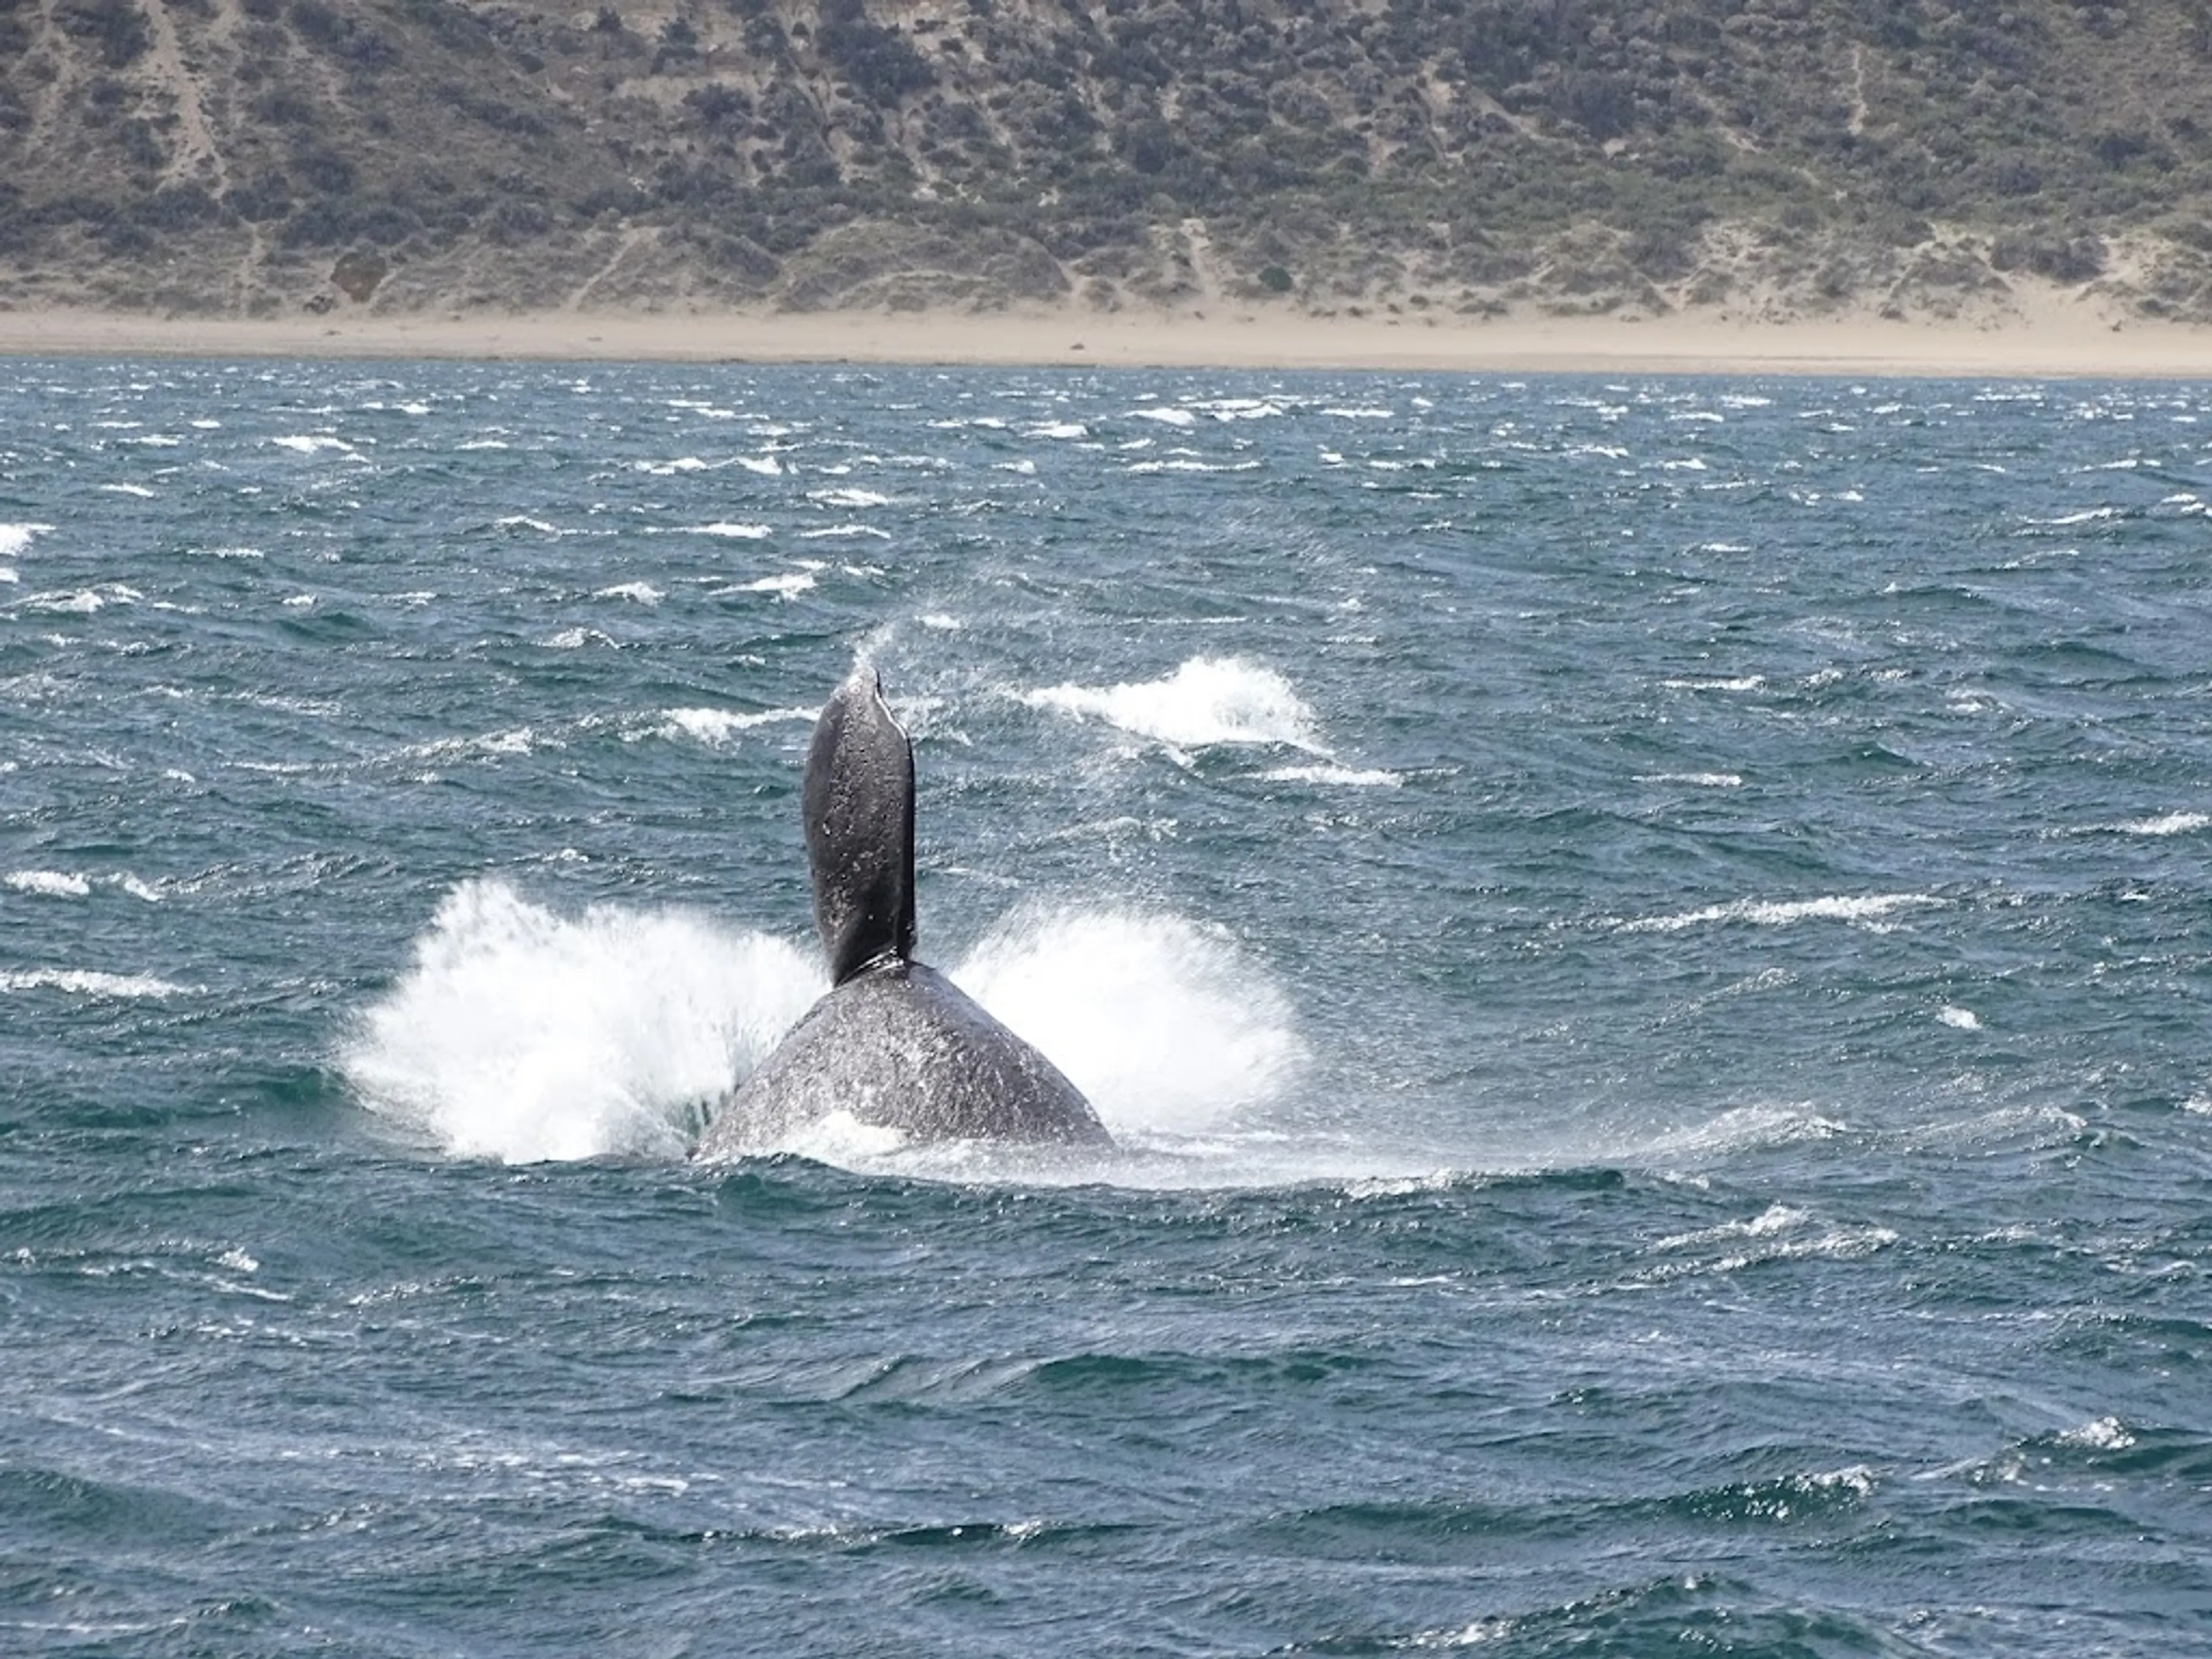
[1206, 701]
[720, 726]
[2170, 823]
[86, 983]
[1866, 909]
[748, 532]
[48, 883]
[786, 584]
[1344, 777]
[16, 538]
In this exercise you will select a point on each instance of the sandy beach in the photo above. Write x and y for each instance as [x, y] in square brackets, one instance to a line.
[2048, 341]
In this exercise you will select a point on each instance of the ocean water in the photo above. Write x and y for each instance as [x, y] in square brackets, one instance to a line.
[1646, 943]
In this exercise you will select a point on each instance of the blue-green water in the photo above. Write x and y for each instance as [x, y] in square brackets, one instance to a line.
[1647, 945]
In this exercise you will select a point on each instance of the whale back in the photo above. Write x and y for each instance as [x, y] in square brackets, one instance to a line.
[900, 1046]
[859, 802]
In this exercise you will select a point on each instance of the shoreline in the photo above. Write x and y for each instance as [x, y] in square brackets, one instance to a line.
[2055, 344]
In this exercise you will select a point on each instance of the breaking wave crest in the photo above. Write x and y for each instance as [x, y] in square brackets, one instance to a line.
[1208, 701]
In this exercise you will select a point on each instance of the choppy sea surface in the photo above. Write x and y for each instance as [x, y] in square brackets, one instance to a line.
[1646, 943]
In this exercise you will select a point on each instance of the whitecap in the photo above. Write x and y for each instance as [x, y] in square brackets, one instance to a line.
[523, 521]
[1739, 682]
[786, 586]
[575, 639]
[1345, 777]
[720, 725]
[1696, 779]
[767, 465]
[940, 623]
[1180, 465]
[79, 981]
[1959, 1019]
[2170, 824]
[48, 883]
[1782, 913]
[139, 490]
[642, 593]
[1206, 701]
[742, 532]
[831, 531]
[308, 443]
[848, 498]
[2087, 515]
[1165, 416]
[1241, 409]
[85, 602]
[1775, 1218]
[2104, 1434]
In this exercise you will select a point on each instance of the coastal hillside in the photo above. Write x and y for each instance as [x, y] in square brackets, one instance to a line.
[1760, 158]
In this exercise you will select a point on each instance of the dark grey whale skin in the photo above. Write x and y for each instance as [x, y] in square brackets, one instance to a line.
[894, 1042]
[900, 1046]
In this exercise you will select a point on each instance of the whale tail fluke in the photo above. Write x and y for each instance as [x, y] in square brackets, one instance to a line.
[859, 802]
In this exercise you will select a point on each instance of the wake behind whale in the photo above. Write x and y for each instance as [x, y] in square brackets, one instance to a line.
[894, 1044]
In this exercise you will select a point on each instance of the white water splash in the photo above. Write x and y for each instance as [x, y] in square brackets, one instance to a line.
[520, 1033]
[523, 1034]
[1168, 1027]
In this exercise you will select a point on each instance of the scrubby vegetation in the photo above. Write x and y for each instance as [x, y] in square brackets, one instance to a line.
[1914, 157]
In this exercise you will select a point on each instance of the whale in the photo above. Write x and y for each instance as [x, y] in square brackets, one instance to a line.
[893, 1043]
